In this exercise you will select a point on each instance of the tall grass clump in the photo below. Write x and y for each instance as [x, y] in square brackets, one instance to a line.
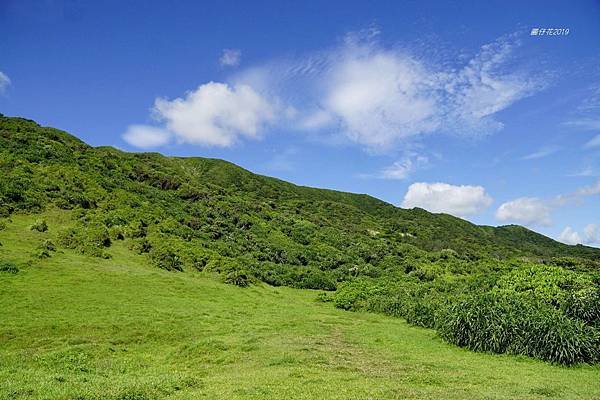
[509, 323]
[8, 267]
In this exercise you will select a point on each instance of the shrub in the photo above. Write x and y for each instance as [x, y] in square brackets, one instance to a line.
[8, 267]
[238, 277]
[166, 258]
[316, 279]
[116, 232]
[47, 245]
[354, 295]
[584, 305]
[43, 254]
[546, 283]
[91, 240]
[505, 323]
[324, 297]
[39, 225]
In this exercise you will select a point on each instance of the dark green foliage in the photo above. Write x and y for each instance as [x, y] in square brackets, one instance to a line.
[40, 225]
[541, 311]
[166, 258]
[238, 277]
[45, 249]
[8, 267]
[91, 240]
[584, 305]
[503, 323]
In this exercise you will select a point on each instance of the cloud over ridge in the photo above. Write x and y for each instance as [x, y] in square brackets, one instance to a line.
[461, 201]
[376, 97]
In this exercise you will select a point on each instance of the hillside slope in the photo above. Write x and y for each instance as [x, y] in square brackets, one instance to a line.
[79, 327]
[219, 201]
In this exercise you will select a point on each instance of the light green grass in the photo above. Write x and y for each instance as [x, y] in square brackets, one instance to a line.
[74, 327]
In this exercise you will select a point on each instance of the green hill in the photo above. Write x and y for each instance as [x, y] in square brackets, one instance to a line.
[78, 327]
[43, 167]
[501, 290]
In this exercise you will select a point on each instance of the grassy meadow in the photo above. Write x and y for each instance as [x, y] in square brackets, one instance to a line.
[80, 327]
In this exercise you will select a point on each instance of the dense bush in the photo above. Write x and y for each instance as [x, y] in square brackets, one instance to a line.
[166, 258]
[39, 225]
[541, 311]
[8, 267]
[503, 323]
[91, 240]
[238, 277]
[584, 304]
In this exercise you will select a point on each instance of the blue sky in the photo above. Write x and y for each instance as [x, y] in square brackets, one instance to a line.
[451, 106]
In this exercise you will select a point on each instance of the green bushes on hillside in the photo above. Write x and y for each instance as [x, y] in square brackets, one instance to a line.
[195, 214]
[541, 311]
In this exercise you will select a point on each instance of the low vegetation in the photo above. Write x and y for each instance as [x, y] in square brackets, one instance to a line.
[75, 326]
[502, 290]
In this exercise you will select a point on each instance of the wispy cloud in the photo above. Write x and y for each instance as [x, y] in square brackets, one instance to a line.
[584, 123]
[586, 116]
[230, 57]
[593, 143]
[379, 97]
[375, 96]
[402, 168]
[541, 153]
[4, 82]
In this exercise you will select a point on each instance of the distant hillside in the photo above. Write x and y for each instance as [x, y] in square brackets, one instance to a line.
[229, 211]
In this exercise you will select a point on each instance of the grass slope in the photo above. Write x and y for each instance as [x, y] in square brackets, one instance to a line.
[77, 327]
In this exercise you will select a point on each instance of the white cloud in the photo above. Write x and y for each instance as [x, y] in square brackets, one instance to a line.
[316, 120]
[381, 97]
[541, 153]
[592, 190]
[569, 236]
[230, 57]
[378, 97]
[145, 136]
[482, 88]
[536, 212]
[4, 82]
[461, 200]
[590, 233]
[403, 168]
[594, 142]
[215, 114]
[584, 123]
[525, 210]
[589, 236]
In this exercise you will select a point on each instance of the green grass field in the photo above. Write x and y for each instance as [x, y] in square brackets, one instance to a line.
[76, 327]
